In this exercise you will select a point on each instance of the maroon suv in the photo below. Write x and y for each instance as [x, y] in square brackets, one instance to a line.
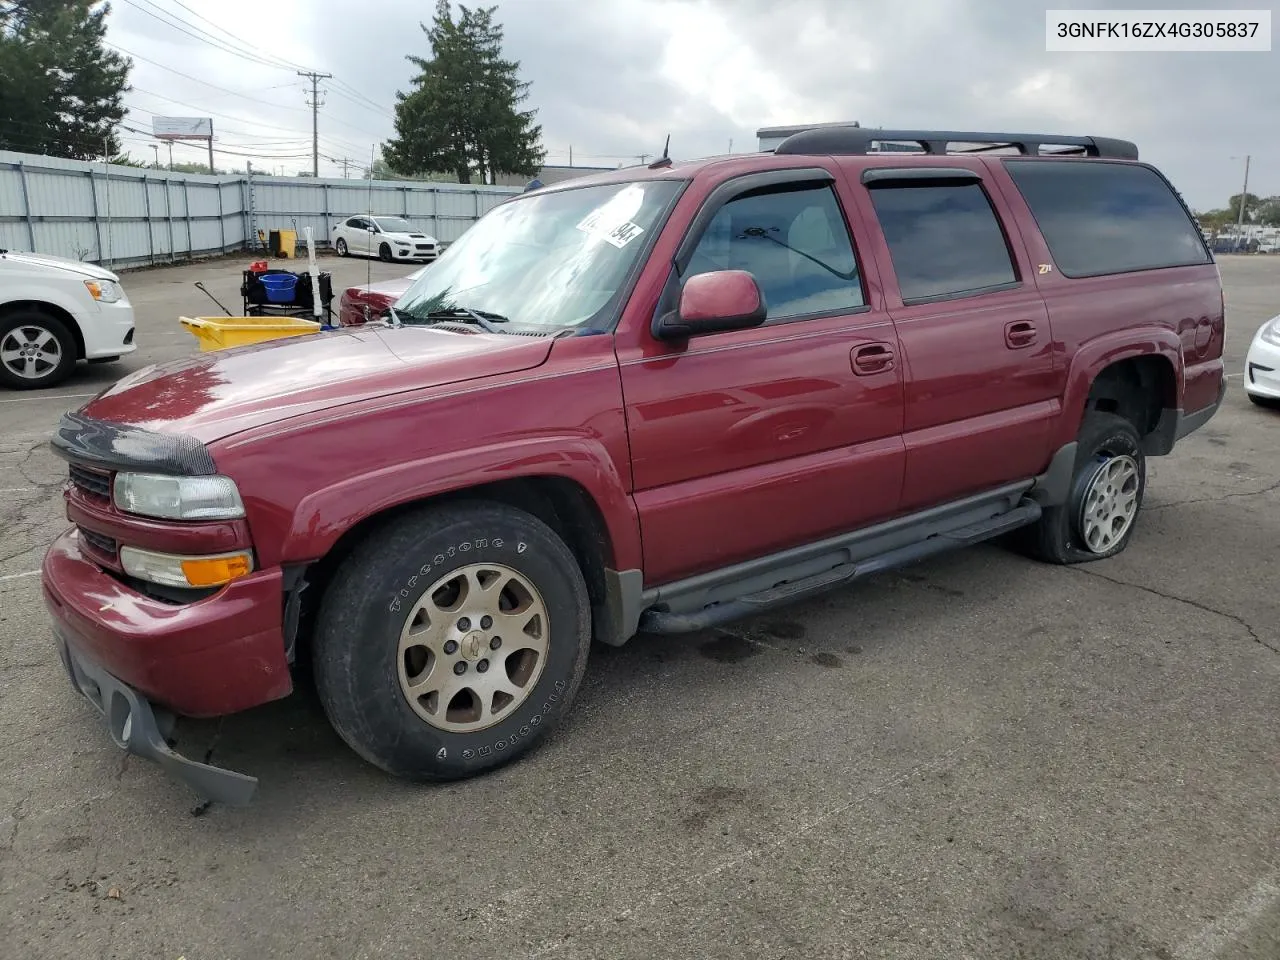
[650, 400]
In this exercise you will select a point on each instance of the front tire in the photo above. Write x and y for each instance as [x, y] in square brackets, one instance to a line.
[341, 247]
[37, 351]
[1107, 487]
[452, 640]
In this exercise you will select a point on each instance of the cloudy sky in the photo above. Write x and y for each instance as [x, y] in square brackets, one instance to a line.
[611, 78]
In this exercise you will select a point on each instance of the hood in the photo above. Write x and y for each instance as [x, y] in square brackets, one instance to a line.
[213, 395]
[386, 290]
[60, 263]
[404, 237]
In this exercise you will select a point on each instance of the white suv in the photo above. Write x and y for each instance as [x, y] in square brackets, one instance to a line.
[55, 311]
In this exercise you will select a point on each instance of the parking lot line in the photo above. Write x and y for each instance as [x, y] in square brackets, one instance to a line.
[19, 576]
[1209, 943]
[49, 396]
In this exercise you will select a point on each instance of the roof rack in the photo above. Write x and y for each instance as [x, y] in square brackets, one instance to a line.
[847, 140]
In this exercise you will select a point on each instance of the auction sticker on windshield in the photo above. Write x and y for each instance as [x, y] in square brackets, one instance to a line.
[597, 223]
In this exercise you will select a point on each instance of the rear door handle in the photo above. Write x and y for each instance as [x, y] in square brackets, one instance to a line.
[872, 358]
[1019, 333]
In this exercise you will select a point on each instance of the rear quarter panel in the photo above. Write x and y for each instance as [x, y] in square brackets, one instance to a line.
[309, 480]
[1172, 312]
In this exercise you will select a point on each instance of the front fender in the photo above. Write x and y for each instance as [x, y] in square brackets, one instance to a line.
[325, 514]
[26, 289]
[1098, 354]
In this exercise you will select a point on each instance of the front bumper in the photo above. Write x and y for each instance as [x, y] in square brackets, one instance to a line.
[411, 254]
[1262, 369]
[140, 729]
[209, 658]
[109, 331]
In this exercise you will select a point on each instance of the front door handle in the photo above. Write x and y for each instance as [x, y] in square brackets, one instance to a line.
[872, 358]
[1019, 333]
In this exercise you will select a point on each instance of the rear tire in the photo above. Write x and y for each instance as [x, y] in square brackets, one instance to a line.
[452, 640]
[1107, 487]
[341, 247]
[37, 351]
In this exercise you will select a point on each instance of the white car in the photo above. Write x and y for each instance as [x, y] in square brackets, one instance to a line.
[387, 238]
[1262, 365]
[55, 311]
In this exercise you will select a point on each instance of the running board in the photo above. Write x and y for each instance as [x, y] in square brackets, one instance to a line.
[660, 621]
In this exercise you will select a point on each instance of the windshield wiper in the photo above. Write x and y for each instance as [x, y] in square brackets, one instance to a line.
[481, 318]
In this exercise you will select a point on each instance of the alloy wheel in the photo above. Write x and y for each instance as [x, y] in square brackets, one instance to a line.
[473, 647]
[30, 352]
[1110, 503]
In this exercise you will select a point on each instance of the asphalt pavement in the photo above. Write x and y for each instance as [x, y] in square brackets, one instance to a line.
[977, 757]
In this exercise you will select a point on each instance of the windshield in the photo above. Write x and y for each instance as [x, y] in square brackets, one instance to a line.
[545, 259]
[393, 225]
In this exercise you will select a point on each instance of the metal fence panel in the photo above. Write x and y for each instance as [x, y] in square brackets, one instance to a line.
[128, 216]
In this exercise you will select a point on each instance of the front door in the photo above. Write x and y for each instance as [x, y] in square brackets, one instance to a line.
[747, 442]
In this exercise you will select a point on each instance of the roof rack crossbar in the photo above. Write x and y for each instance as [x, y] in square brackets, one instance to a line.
[857, 141]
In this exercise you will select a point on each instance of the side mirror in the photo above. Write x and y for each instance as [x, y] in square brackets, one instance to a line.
[714, 302]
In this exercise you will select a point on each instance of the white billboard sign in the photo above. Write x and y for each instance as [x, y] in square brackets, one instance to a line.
[182, 128]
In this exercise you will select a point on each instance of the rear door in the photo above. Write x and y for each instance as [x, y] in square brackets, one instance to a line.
[978, 351]
[746, 442]
[358, 235]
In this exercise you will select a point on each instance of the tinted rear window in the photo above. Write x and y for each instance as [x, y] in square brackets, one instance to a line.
[1101, 218]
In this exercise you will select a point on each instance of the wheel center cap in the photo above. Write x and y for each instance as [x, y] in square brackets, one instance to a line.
[473, 645]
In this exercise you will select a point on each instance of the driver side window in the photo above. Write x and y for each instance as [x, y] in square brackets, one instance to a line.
[794, 241]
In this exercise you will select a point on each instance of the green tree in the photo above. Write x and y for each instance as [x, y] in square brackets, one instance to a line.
[1267, 212]
[463, 114]
[1251, 204]
[60, 88]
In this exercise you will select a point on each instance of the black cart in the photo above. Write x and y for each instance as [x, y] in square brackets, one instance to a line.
[257, 304]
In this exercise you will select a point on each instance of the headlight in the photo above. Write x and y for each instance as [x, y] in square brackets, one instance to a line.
[104, 291]
[178, 498]
[1271, 331]
[175, 571]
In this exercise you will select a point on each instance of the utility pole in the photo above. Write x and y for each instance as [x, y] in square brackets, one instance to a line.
[156, 148]
[346, 162]
[171, 156]
[212, 169]
[1244, 193]
[315, 79]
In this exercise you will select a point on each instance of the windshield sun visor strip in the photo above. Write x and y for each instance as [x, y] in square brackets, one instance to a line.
[83, 440]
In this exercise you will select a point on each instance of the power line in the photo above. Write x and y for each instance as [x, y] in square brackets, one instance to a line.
[343, 145]
[202, 35]
[245, 50]
[244, 96]
[238, 39]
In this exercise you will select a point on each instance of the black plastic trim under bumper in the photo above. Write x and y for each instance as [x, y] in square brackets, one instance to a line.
[108, 446]
[136, 727]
